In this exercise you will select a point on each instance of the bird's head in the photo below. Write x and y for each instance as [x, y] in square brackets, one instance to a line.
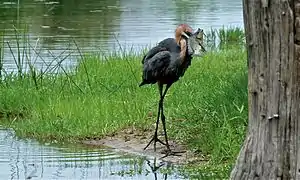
[181, 31]
[195, 42]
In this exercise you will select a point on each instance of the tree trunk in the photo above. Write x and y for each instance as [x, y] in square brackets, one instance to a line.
[271, 148]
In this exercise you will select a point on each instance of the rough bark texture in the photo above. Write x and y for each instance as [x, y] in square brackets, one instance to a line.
[271, 148]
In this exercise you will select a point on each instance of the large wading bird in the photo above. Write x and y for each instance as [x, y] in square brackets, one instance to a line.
[165, 63]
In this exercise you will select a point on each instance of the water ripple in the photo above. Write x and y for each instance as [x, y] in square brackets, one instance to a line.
[27, 159]
[95, 24]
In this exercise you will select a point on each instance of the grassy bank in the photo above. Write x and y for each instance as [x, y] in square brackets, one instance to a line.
[206, 109]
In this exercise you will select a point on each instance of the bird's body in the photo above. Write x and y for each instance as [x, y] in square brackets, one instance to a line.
[164, 64]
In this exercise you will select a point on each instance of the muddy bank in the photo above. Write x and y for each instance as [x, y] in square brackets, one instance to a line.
[133, 141]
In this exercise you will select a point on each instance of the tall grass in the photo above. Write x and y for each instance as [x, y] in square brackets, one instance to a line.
[206, 109]
[214, 105]
[1, 53]
[225, 37]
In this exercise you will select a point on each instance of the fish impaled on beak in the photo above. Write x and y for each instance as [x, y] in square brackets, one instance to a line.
[195, 43]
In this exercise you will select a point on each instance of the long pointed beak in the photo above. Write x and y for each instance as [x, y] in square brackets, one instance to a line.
[184, 34]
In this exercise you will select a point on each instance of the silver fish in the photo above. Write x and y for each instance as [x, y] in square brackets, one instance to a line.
[195, 43]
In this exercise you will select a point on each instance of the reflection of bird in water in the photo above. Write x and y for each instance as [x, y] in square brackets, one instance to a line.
[154, 168]
[33, 172]
[165, 63]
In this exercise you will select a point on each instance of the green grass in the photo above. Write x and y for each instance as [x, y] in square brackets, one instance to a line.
[1, 53]
[225, 37]
[206, 109]
[100, 97]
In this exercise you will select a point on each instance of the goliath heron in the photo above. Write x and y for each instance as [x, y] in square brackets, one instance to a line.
[165, 63]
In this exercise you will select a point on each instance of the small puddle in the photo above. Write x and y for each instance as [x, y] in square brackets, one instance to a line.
[28, 159]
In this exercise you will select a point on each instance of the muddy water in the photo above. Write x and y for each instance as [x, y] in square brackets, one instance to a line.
[27, 159]
[101, 26]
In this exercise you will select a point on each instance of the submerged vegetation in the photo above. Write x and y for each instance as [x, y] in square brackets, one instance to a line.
[207, 109]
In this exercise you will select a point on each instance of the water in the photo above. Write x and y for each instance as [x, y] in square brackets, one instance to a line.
[27, 159]
[102, 26]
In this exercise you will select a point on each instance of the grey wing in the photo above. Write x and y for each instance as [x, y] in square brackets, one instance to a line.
[152, 52]
[155, 66]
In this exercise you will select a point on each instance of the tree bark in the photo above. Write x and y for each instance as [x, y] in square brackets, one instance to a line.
[271, 148]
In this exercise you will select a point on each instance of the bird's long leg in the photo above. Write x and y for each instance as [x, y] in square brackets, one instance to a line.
[155, 138]
[163, 119]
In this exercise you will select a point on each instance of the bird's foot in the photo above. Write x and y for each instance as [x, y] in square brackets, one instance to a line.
[169, 152]
[155, 139]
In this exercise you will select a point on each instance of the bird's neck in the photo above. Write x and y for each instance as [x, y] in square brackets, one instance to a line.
[178, 38]
[182, 44]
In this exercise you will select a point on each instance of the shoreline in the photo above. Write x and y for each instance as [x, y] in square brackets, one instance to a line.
[133, 141]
